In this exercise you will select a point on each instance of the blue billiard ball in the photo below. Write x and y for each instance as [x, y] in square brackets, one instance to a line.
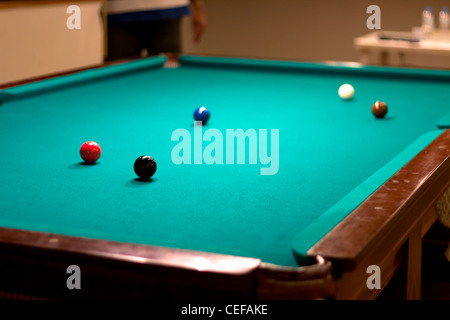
[201, 114]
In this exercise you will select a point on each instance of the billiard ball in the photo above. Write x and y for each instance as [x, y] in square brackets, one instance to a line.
[346, 91]
[201, 114]
[379, 109]
[90, 151]
[145, 167]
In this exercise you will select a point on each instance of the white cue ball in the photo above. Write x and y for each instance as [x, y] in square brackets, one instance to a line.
[346, 91]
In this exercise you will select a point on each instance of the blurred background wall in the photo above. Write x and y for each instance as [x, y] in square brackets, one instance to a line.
[34, 39]
[306, 30]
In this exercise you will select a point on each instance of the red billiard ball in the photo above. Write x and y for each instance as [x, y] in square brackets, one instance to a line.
[90, 151]
[379, 109]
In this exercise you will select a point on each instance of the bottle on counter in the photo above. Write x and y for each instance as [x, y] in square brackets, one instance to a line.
[444, 22]
[427, 20]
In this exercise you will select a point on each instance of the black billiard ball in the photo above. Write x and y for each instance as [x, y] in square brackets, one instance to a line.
[145, 167]
[201, 114]
[379, 109]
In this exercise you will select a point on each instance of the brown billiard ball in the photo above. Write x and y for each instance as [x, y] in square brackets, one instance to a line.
[379, 109]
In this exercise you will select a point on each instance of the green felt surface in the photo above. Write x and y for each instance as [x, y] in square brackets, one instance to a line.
[328, 147]
[444, 122]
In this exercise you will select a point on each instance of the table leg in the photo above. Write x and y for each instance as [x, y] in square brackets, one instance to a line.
[402, 59]
[414, 274]
[364, 56]
[383, 58]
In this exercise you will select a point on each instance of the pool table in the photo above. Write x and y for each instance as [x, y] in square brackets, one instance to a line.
[287, 192]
